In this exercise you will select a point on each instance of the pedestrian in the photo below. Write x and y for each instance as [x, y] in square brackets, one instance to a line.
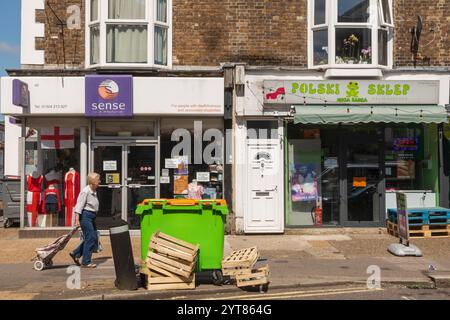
[85, 214]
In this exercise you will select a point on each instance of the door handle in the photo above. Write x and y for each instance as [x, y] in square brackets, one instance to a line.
[114, 186]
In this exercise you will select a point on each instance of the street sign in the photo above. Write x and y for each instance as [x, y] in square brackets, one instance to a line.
[402, 218]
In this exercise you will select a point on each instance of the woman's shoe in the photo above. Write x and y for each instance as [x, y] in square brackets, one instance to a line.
[75, 259]
[90, 266]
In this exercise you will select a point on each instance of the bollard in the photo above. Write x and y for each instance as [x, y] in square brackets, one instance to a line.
[126, 278]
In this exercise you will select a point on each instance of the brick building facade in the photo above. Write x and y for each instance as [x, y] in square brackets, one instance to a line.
[259, 33]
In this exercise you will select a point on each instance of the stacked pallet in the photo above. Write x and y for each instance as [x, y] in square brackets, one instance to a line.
[423, 223]
[240, 265]
[170, 263]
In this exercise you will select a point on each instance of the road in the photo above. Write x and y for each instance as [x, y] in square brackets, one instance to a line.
[346, 292]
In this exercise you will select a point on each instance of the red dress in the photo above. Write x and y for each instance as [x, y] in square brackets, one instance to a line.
[71, 192]
[34, 187]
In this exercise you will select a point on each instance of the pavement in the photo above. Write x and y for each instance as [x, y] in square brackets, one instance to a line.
[297, 262]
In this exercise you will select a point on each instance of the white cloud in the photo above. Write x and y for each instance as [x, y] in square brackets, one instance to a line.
[9, 48]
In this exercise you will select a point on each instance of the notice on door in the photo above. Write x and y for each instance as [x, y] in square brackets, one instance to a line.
[112, 178]
[165, 180]
[109, 165]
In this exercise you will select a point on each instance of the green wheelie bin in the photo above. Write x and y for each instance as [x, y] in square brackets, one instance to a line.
[195, 221]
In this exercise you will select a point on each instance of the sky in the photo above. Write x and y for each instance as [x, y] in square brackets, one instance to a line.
[9, 35]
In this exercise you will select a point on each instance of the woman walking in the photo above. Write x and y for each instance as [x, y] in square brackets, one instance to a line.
[85, 214]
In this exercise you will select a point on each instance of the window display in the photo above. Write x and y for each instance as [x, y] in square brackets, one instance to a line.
[404, 155]
[53, 181]
[189, 173]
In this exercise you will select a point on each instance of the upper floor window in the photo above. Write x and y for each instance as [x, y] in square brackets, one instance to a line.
[350, 33]
[129, 32]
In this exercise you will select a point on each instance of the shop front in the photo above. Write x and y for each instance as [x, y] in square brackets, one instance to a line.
[350, 145]
[146, 137]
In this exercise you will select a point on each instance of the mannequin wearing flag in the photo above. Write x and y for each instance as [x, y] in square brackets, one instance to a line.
[34, 189]
[71, 192]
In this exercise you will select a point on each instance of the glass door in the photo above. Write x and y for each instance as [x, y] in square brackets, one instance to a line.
[108, 162]
[141, 179]
[364, 178]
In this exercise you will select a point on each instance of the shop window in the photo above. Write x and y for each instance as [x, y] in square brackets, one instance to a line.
[406, 165]
[350, 33]
[313, 175]
[125, 129]
[129, 32]
[191, 160]
[52, 166]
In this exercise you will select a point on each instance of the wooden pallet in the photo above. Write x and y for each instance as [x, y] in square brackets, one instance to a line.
[170, 263]
[245, 258]
[425, 231]
[256, 277]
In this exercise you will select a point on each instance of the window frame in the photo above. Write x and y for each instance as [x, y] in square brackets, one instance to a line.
[383, 23]
[149, 21]
[332, 24]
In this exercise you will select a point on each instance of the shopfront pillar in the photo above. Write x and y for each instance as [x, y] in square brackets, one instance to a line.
[83, 156]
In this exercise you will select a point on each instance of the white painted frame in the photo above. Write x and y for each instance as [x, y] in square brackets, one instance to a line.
[149, 21]
[375, 23]
[242, 185]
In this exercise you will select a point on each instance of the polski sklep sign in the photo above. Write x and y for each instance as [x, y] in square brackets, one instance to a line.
[109, 96]
[292, 92]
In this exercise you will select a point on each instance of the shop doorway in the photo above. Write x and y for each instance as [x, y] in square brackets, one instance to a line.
[264, 201]
[128, 175]
[362, 182]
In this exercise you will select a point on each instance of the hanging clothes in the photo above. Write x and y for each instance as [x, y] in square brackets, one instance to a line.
[71, 192]
[34, 187]
[51, 204]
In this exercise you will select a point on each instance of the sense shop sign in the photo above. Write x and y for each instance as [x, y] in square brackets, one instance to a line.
[109, 96]
[293, 92]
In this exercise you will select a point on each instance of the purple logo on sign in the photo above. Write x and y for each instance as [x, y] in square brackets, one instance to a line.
[21, 95]
[109, 96]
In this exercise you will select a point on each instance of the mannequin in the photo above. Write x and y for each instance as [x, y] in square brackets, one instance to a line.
[34, 187]
[51, 205]
[71, 192]
[195, 190]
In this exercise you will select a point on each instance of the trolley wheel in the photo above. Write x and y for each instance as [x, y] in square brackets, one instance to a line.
[264, 288]
[38, 265]
[7, 223]
[217, 277]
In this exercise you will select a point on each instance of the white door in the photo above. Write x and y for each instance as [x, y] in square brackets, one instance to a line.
[264, 207]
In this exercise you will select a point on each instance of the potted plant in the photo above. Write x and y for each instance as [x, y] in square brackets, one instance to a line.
[366, 55]
[350, 49]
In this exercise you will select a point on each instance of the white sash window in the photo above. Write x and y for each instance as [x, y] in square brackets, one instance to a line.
[129, 33]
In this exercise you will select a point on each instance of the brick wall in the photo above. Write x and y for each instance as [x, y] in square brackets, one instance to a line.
[268, 32]
[264, 32]
[434, 46]
[71, 47]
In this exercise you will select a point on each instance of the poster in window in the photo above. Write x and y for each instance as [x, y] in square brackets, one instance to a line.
[304, 183]
[203, 176]
[406, 169]
[182, 166]
[171, 164]
[180, 185]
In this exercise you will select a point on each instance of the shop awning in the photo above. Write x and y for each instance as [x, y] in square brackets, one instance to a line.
[312, 114]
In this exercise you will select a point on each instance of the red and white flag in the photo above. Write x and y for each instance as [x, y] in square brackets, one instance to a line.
[57, 138]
